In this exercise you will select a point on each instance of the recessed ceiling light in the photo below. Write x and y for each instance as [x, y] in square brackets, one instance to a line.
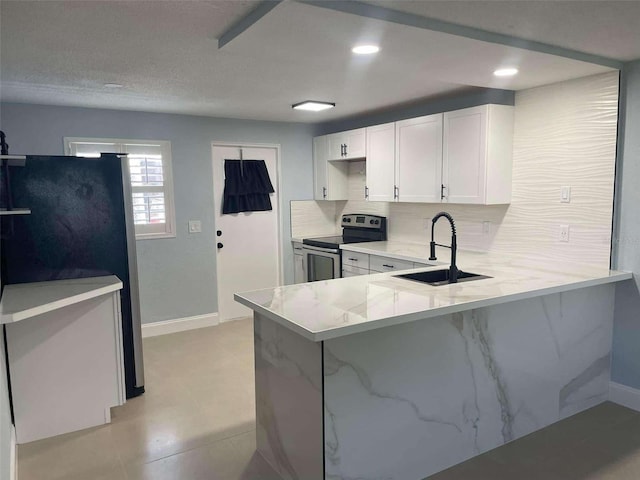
[505, 72]
[113, 85]
[365, 49]
[313, 106]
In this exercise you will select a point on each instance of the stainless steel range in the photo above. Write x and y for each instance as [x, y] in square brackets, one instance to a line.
[323, 254]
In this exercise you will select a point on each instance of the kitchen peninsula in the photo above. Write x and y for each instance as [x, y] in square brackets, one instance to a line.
[381, 377]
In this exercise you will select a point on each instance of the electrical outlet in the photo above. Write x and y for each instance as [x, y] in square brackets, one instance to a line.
[195, 226]
[486, 228]
[565, 194]
[564, 233]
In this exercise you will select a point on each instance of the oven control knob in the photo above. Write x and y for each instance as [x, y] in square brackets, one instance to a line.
[371, 222]
[345, 219]
[377, 222]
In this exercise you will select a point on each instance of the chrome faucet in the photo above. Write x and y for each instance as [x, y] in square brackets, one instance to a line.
[453, 270]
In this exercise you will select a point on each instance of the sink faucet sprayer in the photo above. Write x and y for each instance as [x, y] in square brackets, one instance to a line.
[453, 270]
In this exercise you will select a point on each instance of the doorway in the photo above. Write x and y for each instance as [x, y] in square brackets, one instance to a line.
[248, 246]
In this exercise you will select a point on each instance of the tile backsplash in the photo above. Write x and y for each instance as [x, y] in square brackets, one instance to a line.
[310, 218]
[411, 222]
[565, 135]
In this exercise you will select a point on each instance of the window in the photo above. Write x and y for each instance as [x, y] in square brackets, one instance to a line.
[151, 180]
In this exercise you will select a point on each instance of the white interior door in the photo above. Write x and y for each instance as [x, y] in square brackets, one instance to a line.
[249, 258]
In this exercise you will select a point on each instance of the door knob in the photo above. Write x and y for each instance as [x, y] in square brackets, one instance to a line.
[220, 245]
[219, 233]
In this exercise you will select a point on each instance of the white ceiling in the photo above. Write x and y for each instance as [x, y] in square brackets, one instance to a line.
[607, 28]
[165, 54]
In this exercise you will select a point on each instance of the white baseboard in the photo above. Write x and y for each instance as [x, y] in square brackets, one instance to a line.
[179, 325]
[626, 396]
[13, 459]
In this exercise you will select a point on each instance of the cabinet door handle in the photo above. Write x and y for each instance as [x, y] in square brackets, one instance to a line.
[345, 150]
[442, 195]
[353, 259]
[388, 266]
[396, 192]
[324, 192]
[366, 192]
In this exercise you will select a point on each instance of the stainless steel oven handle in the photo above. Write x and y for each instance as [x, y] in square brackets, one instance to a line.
[332, 251]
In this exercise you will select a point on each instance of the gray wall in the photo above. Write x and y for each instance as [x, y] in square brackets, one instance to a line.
[626, 335]
[177, 275]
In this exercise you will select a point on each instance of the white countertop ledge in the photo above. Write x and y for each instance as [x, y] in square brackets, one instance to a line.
[25, 300]
[334, 308]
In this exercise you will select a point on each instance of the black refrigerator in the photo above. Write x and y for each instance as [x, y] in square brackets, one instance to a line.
[81, 225]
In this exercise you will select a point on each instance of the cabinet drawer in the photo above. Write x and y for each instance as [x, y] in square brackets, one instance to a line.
[355, 259]
[385, 264]
[349, 271]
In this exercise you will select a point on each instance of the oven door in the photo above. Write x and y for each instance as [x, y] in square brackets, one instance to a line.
[322, 263]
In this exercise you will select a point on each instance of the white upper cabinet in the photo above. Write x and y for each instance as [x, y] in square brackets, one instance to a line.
[347, 145]
[329, 178]
[477, 155]
[320, 168]
[464, 156]
[381, 161]
[419, 159]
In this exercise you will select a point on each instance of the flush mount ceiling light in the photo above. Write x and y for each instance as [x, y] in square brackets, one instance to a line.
[505, 72]
[313, 106]
[365, 49]
[113, 85]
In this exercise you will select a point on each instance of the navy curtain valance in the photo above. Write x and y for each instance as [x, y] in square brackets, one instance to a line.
[246, 186]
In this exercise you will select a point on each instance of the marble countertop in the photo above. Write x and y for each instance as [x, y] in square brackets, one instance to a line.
[26, 300]
[334, 308]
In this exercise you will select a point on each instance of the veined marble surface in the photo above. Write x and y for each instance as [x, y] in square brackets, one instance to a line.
[288, 401]
[334, 308]
[406, 402]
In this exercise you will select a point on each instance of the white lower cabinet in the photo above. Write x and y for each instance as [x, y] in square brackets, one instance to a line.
[386, 264]
[299, 267]
[349, 271]
[355, 259]
[356, 263]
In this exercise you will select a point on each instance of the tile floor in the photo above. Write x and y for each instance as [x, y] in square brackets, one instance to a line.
[196, 422]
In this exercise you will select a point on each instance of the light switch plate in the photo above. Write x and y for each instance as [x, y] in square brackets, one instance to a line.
[565, 194]
[195, 226]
